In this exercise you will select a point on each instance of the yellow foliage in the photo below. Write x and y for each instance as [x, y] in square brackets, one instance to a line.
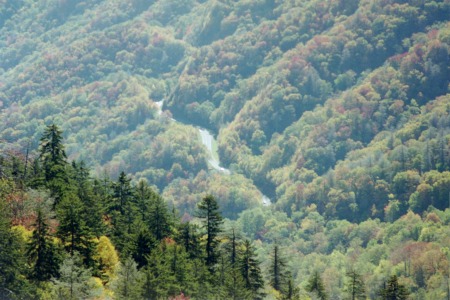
[103, 294]
[24, 233]
[44, 291]
[311, 208]
[272, 293]
[107, 257]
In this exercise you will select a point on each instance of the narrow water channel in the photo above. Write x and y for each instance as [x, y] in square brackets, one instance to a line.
[208, 141]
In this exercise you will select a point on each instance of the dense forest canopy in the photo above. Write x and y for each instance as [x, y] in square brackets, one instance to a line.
[318, 132]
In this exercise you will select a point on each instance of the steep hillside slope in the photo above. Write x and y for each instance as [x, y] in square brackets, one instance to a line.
[338, 111]
[290, 88]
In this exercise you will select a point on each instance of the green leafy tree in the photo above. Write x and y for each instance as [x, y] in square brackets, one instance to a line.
[394, 290]
[354, 286]
[315, 285]
[12, 283]
[208, 211]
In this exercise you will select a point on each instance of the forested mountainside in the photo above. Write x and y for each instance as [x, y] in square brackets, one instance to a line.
[336, 111]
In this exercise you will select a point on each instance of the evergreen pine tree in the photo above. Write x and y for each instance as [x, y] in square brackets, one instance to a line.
[233, 285]
[144, 198]
[75, 281]
[160, 220]
[93, 209]
[145, 242]
[102, 189]
[355, 286]
[393, 290]
[37, 174]
[128, 283]
[315, 285]
[208, 211]
[53, 158]
[42, 253]
[190, 239]
[122, 212]
[160, 281]
[250, 270]
[278, 274]
[292, 292]
[72, 229]
[122, 193]
[181, 268]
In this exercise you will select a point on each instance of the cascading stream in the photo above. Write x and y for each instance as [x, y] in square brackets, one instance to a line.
[208, 141]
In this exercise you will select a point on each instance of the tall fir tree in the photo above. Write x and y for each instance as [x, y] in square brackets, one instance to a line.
[53, 158]
[144, 198]
[160, 281]
[128, 283]
[42, 252]
[292, 292]
[393, 290]
[93, 207]
[123, 193]
[181, 267]
[75, 281]
[250, 270]
[208, 211]
[145, 242]
[233, 245]
[123, 214]
[102, 189]
[278, 274]
[315, 285]
[72, 229]
[232, 284]
[159, 220]
[189, 237]
[354, 286]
